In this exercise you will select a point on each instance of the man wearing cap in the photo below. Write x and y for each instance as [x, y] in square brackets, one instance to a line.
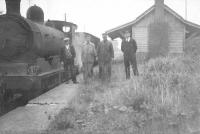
[88, 56]
[67, 56]
[105, 55]
[129, 48]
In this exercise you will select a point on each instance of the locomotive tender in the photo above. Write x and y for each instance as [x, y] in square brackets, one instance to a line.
[30, 51]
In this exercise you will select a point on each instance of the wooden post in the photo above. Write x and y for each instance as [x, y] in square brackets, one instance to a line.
[65, 17]
[185, 9]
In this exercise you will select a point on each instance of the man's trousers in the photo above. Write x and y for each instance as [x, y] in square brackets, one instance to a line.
[71, 71]
[87, 73]
[130, 61]
[105, 70]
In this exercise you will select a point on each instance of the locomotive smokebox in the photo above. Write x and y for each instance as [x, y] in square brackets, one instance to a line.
[13, 7]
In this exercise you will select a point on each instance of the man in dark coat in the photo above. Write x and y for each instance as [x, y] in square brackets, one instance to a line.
[105, 55]
[67, 56]
[129, 48]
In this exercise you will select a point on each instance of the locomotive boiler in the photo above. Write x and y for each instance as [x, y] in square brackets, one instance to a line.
[30, 51]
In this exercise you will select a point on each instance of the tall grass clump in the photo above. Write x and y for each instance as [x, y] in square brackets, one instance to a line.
[172, 84]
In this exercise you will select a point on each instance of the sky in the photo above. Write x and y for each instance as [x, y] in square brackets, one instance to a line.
[98, 16]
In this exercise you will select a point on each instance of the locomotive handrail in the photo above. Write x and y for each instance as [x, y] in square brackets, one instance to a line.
[50, 72]
[41, 74]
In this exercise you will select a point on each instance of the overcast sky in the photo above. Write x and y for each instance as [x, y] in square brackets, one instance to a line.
[97, 16]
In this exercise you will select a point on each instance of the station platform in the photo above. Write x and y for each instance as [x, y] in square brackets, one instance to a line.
[39, 112]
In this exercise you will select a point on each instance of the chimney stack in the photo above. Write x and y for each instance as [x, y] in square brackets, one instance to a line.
[159, 10]
[13, 7]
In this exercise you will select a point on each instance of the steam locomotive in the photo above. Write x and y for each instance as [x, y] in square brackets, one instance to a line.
[30, 51]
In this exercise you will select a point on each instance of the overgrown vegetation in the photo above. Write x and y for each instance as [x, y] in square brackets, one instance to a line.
[165, 98]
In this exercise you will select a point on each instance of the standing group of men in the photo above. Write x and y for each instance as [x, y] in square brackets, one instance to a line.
[105, 54]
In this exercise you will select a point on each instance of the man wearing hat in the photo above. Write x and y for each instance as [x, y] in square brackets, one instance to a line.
[67, 56]
[105, 55]
[129, 48]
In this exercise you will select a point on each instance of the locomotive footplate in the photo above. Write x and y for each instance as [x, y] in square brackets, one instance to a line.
[31, 86]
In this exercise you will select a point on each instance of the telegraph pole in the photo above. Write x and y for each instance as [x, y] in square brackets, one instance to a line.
[185, 9]
[84, 28]
[65, 17]
[29, 3]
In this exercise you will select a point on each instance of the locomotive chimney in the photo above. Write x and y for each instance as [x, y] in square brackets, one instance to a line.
[159, 10]
[13, 7]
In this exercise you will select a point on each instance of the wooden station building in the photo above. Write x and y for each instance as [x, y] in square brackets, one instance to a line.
[178, 31]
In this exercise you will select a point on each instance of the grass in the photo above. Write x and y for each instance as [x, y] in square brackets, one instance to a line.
[163, 99]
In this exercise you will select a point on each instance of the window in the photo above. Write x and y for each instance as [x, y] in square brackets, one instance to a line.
[66, 29]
